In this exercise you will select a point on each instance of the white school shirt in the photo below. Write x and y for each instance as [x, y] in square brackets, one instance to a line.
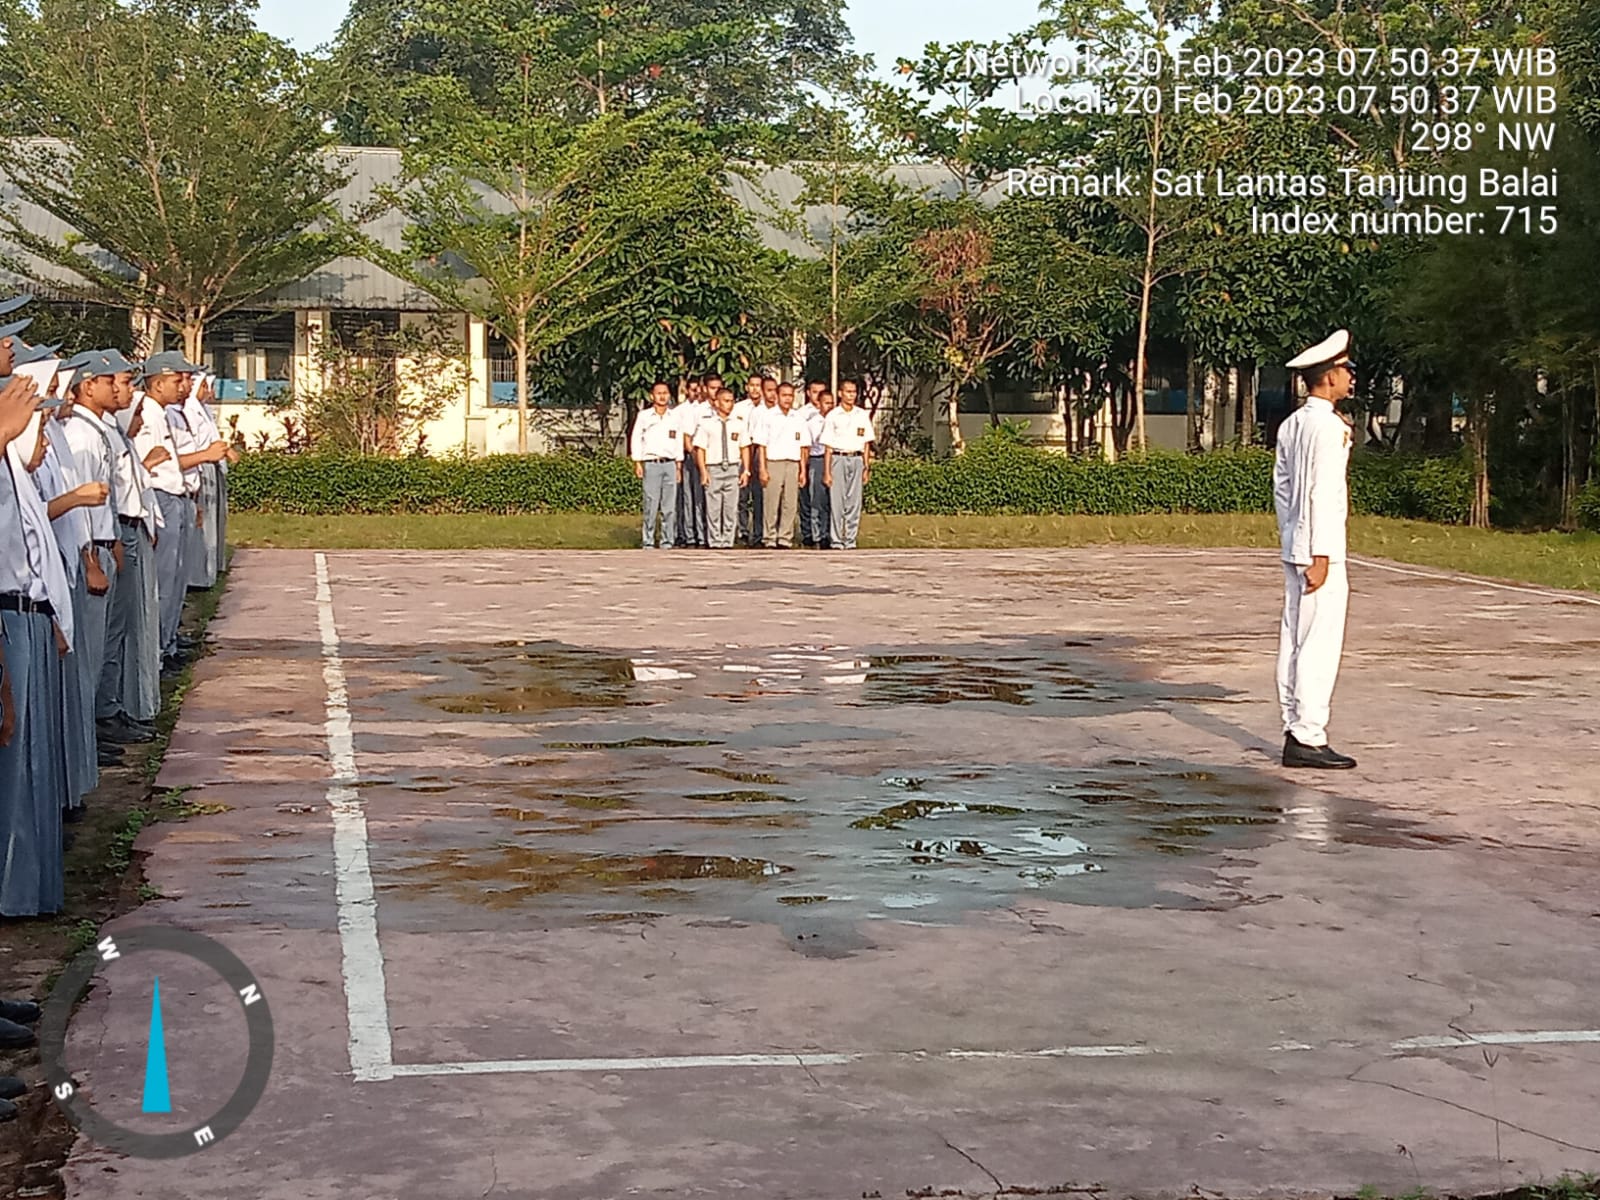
[814, 424]
[848, 432]
[1310, 490]
[690, 414]
[656, 436]
[186, 441]
[41, 556]
[132, 482]
[55, 477]
[709, 438]
[93, 459]
[785, 436]
[155, 431]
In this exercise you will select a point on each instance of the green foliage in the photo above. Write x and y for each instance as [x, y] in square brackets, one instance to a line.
[188, 146]
[1589, 506]
[998, 475]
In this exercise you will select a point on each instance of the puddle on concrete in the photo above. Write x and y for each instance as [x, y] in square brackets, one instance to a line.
[894, 815]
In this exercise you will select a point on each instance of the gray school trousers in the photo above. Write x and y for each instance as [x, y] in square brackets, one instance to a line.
[130, 670]
[845, 500]
[781, 499]
[722, 504]
[816, 521]
[172, 579]
[660, 500]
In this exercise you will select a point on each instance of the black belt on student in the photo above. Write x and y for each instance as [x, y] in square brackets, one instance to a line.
[106, 543]
[129, 522]
[847, 454]
[663, 460]
[18, 603]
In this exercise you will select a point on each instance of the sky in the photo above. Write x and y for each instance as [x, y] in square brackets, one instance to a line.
[883, 28]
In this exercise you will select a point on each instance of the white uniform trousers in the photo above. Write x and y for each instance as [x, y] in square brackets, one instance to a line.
[1310, 642]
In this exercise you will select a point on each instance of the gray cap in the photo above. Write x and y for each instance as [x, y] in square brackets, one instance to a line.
[169, 362]
[12, 328]
[11, 303]
[22, 353]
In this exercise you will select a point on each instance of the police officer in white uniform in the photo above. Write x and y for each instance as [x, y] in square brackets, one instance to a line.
[657, 452]
[1311, 495]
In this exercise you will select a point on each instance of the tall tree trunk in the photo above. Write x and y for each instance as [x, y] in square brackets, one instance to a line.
[988, 395]
[1440, 436]
[1210, 424]
[521, 349]
[833, 367]
[952, 416]
[1246, 377]
[193, 338]
[1478, 440]
[1192, 399]
[1147, 284]
[1069, 435]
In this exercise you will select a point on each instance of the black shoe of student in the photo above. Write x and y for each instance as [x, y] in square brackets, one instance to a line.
[8, 1111]
[1318, 758]
[11, 1087]
[70, 816]
[20, 1012]
[109, 756]
[14, 1036]
[118, 732]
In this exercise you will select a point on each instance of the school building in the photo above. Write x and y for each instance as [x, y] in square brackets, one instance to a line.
[270, 351]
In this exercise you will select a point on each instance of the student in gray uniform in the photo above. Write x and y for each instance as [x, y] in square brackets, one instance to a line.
[847, 437]
[657, 451]
[32, 764]
[129, 695]
[68, 497]
[722, 457]
[84, 438]
[785, 449]
[816, 518]
[167, 379]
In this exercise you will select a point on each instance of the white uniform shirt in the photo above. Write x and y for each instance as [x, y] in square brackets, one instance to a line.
[154, 431]
[814, 424]
[185, 441]
[92, 459]
[1309, 486]
[57, 475]
[132, 481]
[689, 415]
[657, 436]
[848, 432]
[785, 436]
[709, 438]
[40, 558]
[15, 578]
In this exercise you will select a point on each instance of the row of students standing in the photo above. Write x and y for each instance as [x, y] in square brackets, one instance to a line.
[112, 505]
[717, 471]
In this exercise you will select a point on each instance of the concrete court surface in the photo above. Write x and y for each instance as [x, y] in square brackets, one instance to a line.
[807, 875]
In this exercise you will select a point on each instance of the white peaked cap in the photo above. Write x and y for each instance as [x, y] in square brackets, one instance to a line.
[1333, 351]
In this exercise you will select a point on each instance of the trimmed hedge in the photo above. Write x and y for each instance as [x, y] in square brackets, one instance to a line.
[997, 475]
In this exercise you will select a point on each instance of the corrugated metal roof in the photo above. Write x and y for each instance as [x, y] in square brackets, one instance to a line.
[354, 283]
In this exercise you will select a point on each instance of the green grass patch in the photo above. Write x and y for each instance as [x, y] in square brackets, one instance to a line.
[1563, 560]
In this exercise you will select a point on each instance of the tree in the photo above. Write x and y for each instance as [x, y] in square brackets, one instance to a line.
[185, 154]
[738, 71]
[514, 214]
[378, 387]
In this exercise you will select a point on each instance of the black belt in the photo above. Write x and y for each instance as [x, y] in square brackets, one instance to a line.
[107, 543]
[847, 454]
[663, 460]
[18, 603]
[130, 522]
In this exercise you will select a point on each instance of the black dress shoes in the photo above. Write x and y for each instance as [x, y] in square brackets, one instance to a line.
[14, 1036]
[8, 1111]
[11, 1087]
[119, 731]
[23, 1012]
[1317, 758]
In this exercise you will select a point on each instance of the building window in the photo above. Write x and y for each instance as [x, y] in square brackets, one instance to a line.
[252, 355]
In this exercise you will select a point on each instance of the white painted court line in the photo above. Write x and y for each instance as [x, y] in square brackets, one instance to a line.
[366, 998]
[563, 1066]
[1452, 577]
